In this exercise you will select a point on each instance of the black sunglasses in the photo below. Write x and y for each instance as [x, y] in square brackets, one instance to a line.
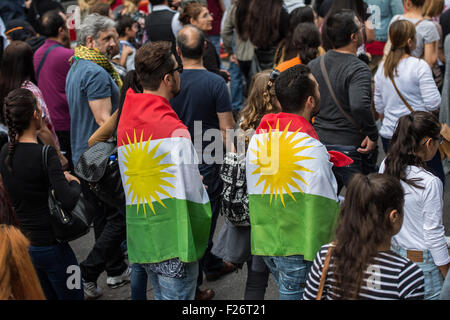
[179, 69]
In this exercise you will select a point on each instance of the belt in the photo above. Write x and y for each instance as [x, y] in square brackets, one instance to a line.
[414, 256]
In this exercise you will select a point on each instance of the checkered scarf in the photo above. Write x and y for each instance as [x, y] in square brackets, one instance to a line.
[94, 55]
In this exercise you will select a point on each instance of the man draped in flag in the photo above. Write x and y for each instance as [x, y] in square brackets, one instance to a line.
[292, 190]
[168, 210]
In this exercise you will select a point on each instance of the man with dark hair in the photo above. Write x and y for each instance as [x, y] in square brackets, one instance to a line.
[345, 122]
[51, 65]
[162, 23]
[204, 100]
[127, 29]
[167, 233]
[292, 190]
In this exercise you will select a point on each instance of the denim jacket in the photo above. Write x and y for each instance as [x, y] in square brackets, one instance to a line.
[382, 13]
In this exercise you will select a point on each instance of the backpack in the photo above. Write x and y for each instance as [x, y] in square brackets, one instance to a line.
[234, 198]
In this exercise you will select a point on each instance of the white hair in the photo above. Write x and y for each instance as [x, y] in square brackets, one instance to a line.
[92, 25]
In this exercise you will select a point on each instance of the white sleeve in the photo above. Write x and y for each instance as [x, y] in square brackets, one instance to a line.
[378, 98]
[433, 228]
[428, 89]
[176, 24]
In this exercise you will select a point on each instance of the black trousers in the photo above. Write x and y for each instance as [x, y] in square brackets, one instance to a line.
[211, 263]
[110, 232]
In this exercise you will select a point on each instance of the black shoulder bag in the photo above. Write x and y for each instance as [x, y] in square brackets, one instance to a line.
[67, 225]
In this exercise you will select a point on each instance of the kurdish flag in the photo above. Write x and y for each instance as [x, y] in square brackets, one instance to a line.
[168, 210]
[292, 190]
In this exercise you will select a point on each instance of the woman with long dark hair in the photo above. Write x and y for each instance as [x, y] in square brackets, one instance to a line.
[28, 184]
[288, 47]
[422, 237]
[414, 82]
[304, 44]
[265, 25]
[17, 71]
[361, 264]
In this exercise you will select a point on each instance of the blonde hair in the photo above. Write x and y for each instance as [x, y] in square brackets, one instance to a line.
[261, 101]
[433, 8]
[18, 279]
[130, 6]
[85, 5]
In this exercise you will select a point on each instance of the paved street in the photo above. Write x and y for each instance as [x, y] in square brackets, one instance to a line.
[230, 287]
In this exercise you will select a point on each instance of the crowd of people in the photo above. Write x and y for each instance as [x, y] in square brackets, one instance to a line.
[271, 113]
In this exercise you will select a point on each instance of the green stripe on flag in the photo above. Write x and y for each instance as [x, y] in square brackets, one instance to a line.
[300, 228]
[179, 230]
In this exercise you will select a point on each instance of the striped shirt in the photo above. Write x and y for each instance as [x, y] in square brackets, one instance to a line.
[389, 277]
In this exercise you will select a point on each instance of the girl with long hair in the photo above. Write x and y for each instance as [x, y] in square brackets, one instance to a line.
[414, 82]
[422, 237]
[427, 34]
[28, 184]
[361, 264]
[17, 71]
[265, 25]
[304, 44]
[233, 242]
[18, 279]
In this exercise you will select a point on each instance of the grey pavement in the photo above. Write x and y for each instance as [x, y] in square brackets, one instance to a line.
[230, 287]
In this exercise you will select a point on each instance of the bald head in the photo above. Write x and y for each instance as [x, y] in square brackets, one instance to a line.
[191, 42]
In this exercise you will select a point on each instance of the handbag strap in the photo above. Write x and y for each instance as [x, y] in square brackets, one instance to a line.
[401, 96]
[333, 95]
[41, 64]
[324, 272]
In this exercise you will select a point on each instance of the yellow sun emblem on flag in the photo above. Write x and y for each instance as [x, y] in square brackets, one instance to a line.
[145, 173]
[277, 160]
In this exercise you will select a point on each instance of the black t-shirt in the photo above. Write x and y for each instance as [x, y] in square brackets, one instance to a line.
[203, 95]
[27, 186]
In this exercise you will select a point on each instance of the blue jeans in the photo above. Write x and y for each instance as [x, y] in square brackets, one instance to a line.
[290, 275]
[165, 288]
[138, 282]
[434, 164]
[51, 264]
[433, 276]
[236, 87]
[362, 163]
[445, 293]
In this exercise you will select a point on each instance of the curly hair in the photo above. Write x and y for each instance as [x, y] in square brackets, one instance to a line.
[261, 101]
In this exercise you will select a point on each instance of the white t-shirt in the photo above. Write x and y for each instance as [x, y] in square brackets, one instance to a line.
[422, 227]
[416, 84]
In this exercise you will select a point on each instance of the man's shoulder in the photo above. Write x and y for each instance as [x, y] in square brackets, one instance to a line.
[86, 69]
[204, 76]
